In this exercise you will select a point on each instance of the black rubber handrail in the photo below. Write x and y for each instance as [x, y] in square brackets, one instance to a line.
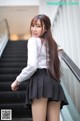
[72, 66]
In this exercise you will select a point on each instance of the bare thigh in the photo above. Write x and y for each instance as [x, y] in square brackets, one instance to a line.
[53, 111]
[39, 109]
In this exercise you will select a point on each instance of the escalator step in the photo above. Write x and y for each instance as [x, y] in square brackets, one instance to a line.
[7, 77]
[6, 86]
[13, 59]
[18, 109]
[10, 70]
[13, 64]
[12, 97]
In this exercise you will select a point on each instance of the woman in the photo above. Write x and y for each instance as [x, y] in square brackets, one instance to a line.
[44, 94]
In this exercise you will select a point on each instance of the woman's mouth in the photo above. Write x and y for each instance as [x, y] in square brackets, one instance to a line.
[34, 34]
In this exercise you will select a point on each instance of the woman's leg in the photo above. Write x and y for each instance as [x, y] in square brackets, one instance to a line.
[39, 109]
[53, 111]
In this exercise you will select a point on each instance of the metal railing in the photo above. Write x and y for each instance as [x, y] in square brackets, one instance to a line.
[4, 35]
[72, 66]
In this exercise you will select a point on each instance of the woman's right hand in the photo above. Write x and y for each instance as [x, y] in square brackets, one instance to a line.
[15, 85]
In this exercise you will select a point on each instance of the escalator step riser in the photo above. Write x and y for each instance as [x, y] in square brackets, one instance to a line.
[7, 76]
[10, 70]
[6, 86]
[17, 110]
[13, 61]
[12, 97]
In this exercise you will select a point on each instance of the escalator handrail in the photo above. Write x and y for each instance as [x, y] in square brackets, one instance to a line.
[7, 26]
[72, 66]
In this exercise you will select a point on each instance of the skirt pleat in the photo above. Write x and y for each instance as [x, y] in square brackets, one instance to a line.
[41, 84]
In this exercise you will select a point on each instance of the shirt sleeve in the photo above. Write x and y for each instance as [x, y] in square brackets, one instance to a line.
[28, 71]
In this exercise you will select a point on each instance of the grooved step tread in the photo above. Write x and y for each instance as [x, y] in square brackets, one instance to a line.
[13, 65]
[6, 86]
[12, 97]
[18, 109]
[10, 70]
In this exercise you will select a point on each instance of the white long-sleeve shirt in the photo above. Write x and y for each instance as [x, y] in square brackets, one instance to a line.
[36, 59]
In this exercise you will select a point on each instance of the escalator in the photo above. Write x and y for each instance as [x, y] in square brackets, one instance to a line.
[13, 60]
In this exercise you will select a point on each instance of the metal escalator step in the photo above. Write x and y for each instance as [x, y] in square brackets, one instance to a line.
[6, 86]
[10, 70]
[18, 109]
[7, 77]
[13, 64]
[12, 97]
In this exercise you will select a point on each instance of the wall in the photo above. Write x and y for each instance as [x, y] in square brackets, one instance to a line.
[18, 17]
[47, 9]
[18, 14]
[18, 2]
[65, 26]
[65, 21]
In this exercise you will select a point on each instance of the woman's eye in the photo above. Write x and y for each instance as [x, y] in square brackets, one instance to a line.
[38, 26]
[32, 25]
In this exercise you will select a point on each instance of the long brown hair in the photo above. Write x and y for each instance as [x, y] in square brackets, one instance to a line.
[54, 63]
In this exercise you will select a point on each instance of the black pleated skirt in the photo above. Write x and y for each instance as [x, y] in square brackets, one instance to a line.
[41, 84]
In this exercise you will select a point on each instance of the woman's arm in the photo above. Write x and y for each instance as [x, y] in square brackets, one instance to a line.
[28, 71]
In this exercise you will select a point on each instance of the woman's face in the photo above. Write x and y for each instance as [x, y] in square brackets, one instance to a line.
[37, 30]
